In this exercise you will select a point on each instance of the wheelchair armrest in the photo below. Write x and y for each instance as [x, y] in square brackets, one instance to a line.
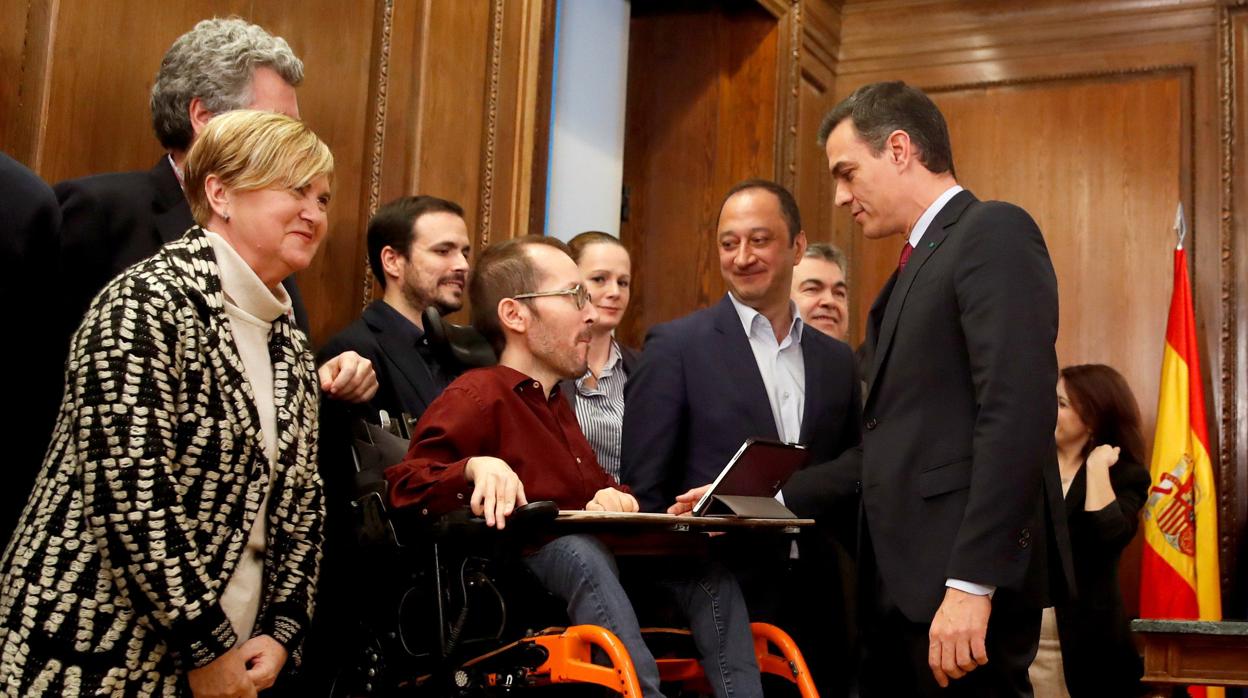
[531, 520]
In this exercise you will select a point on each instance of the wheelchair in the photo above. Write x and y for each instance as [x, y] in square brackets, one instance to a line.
[451, 610]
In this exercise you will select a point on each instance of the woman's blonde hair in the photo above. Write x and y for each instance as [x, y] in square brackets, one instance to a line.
[250, 150]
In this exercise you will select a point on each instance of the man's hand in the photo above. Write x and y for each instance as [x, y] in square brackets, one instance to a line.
[611, 499]
[348, 377]
[224, 677]
[496, 491]
[956, 638]
[684, 502]
[264, 658]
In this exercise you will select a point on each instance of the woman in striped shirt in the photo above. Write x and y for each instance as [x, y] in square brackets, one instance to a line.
[598, 396]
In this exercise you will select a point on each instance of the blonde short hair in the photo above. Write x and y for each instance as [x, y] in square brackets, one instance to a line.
[250, 150]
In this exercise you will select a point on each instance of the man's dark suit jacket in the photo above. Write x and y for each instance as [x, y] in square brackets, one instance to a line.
[111, 221]
[1098, 656]
[29, 223]
[697, 394]
[406, 380]
[958, 466]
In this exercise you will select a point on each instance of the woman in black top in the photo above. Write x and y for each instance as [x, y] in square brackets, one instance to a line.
[1100, 451]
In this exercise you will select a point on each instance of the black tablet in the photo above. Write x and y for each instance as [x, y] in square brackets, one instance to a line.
[759, 469]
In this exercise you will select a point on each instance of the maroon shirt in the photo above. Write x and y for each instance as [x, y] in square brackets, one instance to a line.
[503, 413]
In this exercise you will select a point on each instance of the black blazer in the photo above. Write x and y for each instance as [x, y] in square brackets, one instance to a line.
[628, 360]
[957, 465]
[29, 224]
[697, 394]
[110, 221]
[406, 381]
[1097, 652]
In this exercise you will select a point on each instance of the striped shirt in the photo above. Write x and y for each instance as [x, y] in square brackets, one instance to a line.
[600, 411]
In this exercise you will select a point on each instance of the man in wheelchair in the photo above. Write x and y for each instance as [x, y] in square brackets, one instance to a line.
[498, 437]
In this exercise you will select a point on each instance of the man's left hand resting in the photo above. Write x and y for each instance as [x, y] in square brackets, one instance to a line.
[611, 499]
[496, 490]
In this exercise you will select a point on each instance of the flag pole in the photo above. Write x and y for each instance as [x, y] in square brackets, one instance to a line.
[1180, 225]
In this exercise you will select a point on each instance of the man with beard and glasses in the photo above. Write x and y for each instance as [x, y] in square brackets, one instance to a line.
[501, 436]
[418, 250]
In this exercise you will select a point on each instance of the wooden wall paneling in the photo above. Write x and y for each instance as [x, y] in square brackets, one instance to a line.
[709, 122]
[449, 99]
[961, 47]
[468, 93]
[816, 96]
[98, 86]
[516, 84]
[26, 32]
[667, 172]
[335, 41]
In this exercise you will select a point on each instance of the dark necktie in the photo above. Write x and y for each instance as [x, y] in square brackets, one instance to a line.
[905, 257]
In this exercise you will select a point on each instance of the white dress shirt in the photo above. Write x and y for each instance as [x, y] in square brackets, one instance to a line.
[781, 365]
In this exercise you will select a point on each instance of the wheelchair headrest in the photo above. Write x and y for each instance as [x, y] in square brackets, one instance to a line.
[459, 346]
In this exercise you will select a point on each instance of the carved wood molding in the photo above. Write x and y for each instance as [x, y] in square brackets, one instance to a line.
[789, 64]
[1228, 432]
[381, 66]
[486, 204]
[1160, 69]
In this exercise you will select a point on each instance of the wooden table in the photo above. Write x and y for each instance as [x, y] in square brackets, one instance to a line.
[664, 534]
[1198, 653]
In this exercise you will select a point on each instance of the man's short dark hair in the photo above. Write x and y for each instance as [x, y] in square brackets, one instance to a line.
[788, 205]
[504, 270]
[880, 108]
[394, 225]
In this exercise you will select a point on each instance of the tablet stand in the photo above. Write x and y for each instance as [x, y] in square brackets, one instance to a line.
[751, 507]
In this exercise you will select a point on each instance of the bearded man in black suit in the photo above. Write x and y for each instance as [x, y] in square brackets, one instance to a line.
[959, 541]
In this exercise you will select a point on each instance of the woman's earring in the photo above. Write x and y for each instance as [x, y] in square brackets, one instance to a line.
[227, 217]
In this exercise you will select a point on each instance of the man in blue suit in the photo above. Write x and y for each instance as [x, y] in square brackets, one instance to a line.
[749, 367]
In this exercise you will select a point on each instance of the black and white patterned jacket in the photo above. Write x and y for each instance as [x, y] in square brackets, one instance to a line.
[156, 471]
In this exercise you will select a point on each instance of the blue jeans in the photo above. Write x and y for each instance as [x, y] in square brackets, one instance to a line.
[582, 572]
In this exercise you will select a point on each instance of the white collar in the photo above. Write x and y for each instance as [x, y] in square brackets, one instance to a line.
[929, 215]
[748, 315]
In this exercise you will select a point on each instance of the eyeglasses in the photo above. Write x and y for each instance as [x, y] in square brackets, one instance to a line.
[579, 295]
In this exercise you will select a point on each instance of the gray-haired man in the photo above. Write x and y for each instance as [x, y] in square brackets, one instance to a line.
[110, 221]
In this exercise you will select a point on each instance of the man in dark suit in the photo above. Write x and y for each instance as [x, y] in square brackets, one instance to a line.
[29, 221]
[749, 367]
[418, 249]
[957, 463]
[112, 221]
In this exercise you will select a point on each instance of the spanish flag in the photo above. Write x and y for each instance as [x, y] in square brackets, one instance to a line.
[1179, 576]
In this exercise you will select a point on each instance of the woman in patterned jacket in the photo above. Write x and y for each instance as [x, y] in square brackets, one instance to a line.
[172, 541]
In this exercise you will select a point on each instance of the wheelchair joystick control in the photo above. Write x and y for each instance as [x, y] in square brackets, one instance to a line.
[535, 512]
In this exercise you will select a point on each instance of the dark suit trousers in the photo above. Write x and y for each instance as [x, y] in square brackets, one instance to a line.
[894, 648]
[804, 597]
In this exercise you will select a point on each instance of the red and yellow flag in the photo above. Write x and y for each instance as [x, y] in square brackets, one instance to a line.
[1179, 576]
